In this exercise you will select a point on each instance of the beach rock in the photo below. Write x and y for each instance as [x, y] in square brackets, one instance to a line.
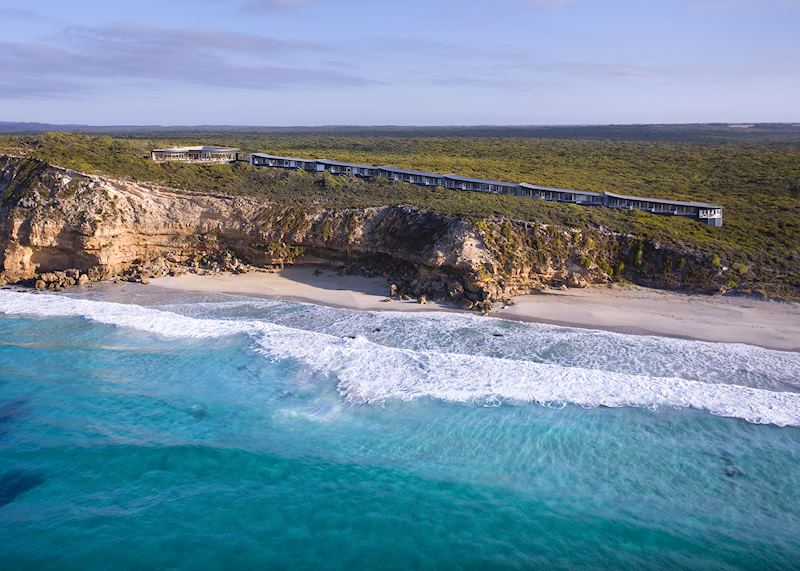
[422, 300]
[145, 280]
[455, 290]
[40, 284]
[83, 279]
[577, 281]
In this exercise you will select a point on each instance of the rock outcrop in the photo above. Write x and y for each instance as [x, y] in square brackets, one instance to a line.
[60, 228]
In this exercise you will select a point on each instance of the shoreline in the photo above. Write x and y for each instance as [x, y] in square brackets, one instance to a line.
[631, 310]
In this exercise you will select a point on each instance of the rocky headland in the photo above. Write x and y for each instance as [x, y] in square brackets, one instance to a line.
[61, 228]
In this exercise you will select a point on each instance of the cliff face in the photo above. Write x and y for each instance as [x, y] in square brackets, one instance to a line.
[53, 219]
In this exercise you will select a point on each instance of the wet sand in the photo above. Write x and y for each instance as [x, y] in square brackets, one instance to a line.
[629, 309]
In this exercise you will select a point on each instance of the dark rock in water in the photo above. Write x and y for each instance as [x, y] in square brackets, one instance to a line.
[733, 471]
[11, 411]
[377, 330]
[199, 413]
[349, 336]
[497, 335]
[15, 483]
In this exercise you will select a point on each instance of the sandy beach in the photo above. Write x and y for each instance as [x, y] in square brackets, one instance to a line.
[628, 309]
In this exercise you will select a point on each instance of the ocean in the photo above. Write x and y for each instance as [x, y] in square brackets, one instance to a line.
[169, 430]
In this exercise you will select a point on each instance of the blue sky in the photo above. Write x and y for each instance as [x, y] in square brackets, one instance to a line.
[415, 62]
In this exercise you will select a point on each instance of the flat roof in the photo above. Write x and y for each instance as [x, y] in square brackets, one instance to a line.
[553, 189]
[413, 172]
[341, 164]
[663, 201]
[196, 148]
[623, 196]
[266, 156]
[454, 176]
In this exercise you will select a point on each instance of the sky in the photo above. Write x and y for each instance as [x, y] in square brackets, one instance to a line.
[409, 62]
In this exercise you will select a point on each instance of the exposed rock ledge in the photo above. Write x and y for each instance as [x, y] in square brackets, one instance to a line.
[53, 220]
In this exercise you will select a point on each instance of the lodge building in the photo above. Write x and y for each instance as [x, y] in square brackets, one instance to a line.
[411, 176]
[198, 154]
[710, 214]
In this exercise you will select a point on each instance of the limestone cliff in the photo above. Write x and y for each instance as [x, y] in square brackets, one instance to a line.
[52, 219]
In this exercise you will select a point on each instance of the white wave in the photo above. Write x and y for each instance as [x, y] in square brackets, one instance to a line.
[724, 363]
[368, 372]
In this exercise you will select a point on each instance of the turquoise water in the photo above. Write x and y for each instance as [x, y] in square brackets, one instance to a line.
[198, 432]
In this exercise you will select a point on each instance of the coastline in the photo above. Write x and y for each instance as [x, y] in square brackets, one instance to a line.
[622, 309]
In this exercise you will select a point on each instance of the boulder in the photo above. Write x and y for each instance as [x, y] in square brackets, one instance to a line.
[83, 279]
[40, 284]
[577, 281]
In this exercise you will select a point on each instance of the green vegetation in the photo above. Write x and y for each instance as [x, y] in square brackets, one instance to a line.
[756, 181]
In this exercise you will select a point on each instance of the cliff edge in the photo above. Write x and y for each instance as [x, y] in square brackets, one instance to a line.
[59, 227]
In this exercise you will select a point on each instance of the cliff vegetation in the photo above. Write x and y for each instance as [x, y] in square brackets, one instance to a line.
[757, 183]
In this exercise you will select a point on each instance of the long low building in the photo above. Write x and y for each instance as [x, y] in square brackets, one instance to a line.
[198, 154]
[707, 213]
[560, 194]
[264, 160]
[337, 167]
[479, 185]
[411, 176]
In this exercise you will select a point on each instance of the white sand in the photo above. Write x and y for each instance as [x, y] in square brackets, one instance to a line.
[630, 309]
[323, 286]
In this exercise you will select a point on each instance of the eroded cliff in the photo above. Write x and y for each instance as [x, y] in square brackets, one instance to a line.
[52, 219]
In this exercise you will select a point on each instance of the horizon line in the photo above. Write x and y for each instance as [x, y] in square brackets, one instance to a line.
[402, 126]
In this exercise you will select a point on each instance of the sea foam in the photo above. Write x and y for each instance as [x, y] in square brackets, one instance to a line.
[372, 371]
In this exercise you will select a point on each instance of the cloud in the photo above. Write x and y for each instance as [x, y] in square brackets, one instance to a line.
[19, 14]
[179, 39]
[599, 69]
[24, 15]
[481, 82]
[86, 58]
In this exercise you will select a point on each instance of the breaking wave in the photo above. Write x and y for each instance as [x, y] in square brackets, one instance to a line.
[460, 359]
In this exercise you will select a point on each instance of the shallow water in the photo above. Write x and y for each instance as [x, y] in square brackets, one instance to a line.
[197, 431]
